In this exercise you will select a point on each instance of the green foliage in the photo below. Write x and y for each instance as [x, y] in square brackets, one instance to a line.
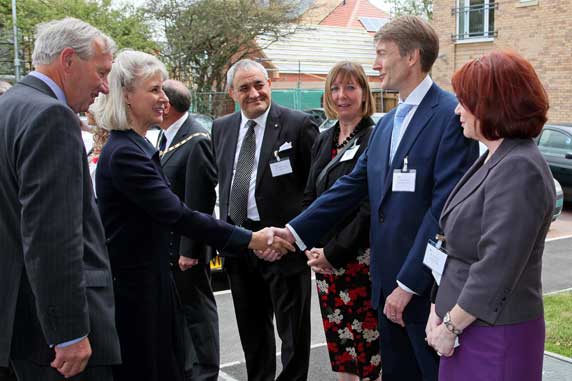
[558, 316]
[126, 25]
[204, 37]
[423, 8]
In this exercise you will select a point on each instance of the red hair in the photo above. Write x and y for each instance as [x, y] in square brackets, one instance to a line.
[504, 93]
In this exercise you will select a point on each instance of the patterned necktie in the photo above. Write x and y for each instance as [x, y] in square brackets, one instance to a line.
[402, 111]
[162, 142]
[241, 184]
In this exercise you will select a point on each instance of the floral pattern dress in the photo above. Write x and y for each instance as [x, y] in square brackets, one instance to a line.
[349, 321]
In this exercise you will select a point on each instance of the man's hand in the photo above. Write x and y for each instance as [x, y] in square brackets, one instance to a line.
[71, 360]
[186, 263]
[395, 303]
[268, 246]
[318, 261]
[285, 234]
[433, 321]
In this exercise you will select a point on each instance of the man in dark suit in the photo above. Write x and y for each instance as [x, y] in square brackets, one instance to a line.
[263, 158]
[57, 310]
[189, 164]
[416, 155]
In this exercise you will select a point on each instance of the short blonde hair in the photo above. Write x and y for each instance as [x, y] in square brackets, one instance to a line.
[344, 71]
[128, 67]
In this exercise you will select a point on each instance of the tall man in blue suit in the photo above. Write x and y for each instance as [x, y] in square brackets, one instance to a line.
[416, 155]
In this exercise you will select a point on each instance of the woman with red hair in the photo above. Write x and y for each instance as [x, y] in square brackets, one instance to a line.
[495, 221]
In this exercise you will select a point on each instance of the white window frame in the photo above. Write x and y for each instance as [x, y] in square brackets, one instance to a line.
[463, 35]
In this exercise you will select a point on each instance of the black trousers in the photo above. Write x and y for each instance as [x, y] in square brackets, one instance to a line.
[199, 306]
[29, 371]
[258, 297]
[405, 354]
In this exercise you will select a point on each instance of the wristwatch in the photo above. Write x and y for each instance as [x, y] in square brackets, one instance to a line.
[449, 325]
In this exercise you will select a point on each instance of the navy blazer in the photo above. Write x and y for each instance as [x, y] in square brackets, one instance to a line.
[139, 209]
[401, 222]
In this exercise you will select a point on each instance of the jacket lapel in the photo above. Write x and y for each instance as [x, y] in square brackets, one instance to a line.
[475, 176]
[181, 134]
[420, 119]
[228, 148]
[271, 134]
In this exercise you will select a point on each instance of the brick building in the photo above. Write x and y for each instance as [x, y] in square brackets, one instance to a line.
[540, 30]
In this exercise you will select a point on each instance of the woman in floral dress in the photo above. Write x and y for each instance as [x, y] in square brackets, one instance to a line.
[350, 324]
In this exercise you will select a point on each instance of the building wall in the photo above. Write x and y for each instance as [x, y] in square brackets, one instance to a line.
[541, 31]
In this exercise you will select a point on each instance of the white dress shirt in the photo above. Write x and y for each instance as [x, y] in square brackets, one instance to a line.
[172, 130]
[414, 99]
[252, 211]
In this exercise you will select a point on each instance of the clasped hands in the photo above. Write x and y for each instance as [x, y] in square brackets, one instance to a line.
[270, 244]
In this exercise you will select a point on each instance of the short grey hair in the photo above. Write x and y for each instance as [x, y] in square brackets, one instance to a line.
[53, 37]
[4, 86]
[129, 67]
[178, 94]
[243, 65]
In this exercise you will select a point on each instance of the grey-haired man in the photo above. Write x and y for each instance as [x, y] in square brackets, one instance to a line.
[57, 313]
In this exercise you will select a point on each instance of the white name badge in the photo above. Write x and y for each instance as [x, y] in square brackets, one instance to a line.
[349, 154]
[403, 181]
[435, 259]
[281, 167]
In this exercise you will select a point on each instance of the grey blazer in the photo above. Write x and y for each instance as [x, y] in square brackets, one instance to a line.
[495, 222]
[55, 279]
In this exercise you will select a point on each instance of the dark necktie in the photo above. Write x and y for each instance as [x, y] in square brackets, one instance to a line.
[162, 142]
[239, 193]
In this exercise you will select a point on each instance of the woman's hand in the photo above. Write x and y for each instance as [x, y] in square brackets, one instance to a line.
[442, 340]
[318, 262]
[268, 246]
[433, 321]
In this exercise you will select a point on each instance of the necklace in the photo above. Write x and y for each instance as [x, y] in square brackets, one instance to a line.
[347, 140]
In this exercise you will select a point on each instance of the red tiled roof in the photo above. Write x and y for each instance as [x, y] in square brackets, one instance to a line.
[348, 12]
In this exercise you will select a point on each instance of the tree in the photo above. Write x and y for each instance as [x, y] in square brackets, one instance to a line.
[127, 25]
[205, 37]
[423, 8]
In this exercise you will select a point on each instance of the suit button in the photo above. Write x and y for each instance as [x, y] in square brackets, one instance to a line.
[172, 233]
[381, 218]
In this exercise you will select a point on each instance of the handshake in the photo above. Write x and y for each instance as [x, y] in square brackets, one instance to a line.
[272, 243]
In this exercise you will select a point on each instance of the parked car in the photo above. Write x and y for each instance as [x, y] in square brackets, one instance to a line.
[555, 144]
[319, 114]
[206, 121]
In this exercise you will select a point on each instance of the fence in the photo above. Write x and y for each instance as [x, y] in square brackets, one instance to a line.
[218, 104]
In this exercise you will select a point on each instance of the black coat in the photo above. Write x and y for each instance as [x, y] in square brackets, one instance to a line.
[138, 211]
[351, 233]
[278, 199]
[191, 171]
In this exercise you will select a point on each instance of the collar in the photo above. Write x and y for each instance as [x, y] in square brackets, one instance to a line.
[419, 92]
[142, 142]
[260, 121]
[60, 95]
[172, 130]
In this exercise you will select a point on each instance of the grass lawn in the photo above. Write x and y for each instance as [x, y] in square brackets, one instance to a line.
[558, 315]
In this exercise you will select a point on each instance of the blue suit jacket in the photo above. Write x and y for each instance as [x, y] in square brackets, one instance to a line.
[401, 222]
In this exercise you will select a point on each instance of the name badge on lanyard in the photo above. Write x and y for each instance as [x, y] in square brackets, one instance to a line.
[404, 179]
[436, 257]
[281, 166]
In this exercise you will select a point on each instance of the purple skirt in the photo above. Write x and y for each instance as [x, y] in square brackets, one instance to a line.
[500, 353]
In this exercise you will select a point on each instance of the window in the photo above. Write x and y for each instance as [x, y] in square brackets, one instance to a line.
[553, 140]
[475, 19]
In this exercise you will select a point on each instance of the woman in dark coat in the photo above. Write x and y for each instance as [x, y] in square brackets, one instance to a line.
[342, 262]
[138, 211]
